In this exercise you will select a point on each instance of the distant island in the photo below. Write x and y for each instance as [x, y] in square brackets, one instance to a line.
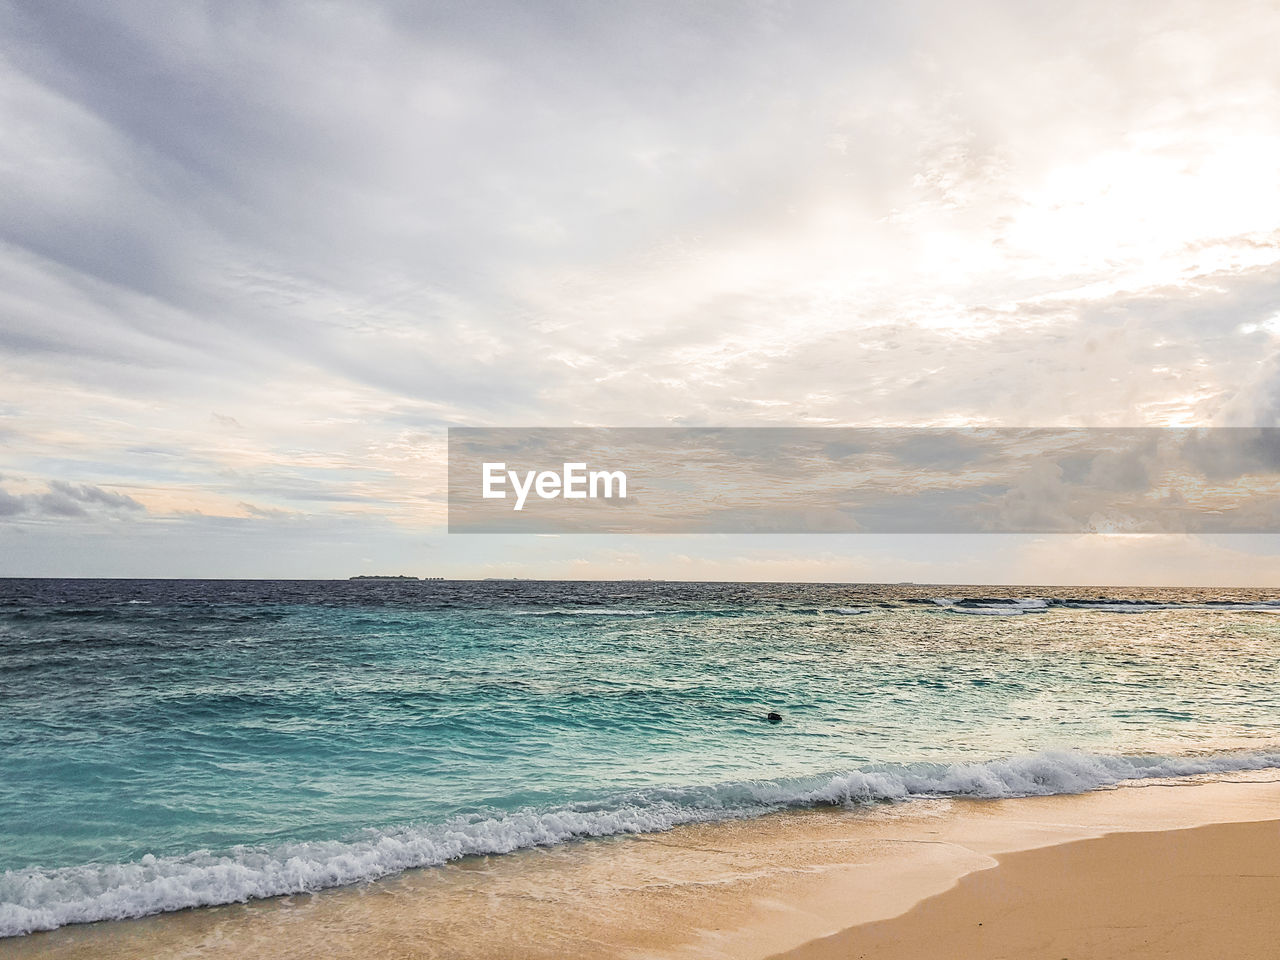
[384, 576]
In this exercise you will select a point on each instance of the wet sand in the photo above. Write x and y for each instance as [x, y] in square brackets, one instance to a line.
[1106, 874]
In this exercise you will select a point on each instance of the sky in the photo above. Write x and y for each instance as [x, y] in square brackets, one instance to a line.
[256, 258]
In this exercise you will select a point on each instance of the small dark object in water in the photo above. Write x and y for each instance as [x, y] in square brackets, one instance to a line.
[774, 718]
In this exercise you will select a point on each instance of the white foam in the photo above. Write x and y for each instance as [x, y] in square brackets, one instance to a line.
[1018, 607]
[42, 899]
[1002, 608]
[1043, 774]
[36, 899]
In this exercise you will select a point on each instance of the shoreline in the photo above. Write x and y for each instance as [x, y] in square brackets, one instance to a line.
[782, 884]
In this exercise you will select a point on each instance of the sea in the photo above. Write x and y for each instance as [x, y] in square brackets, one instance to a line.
[167, 744]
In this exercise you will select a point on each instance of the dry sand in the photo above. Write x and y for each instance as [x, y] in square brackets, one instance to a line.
[910, 880]
[1206, 892]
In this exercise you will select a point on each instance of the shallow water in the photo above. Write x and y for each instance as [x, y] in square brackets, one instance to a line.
[167, 744]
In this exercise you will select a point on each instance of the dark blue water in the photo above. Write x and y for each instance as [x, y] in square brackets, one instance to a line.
[171, 743]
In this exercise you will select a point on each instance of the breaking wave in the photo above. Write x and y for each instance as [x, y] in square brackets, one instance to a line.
[43, 899]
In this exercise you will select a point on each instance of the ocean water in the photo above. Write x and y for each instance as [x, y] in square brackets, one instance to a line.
[166, 744]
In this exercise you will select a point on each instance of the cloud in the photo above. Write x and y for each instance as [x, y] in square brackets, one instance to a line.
[268, 513]
[63, 500]
[11, 506]
[718, 213]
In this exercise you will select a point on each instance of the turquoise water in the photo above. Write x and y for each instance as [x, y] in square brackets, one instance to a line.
[168, 744]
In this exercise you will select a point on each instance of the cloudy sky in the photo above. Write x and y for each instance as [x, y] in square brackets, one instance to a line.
[255, 258]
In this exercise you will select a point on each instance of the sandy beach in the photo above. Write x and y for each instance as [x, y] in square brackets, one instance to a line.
[1170, 869]
[1203, 892]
